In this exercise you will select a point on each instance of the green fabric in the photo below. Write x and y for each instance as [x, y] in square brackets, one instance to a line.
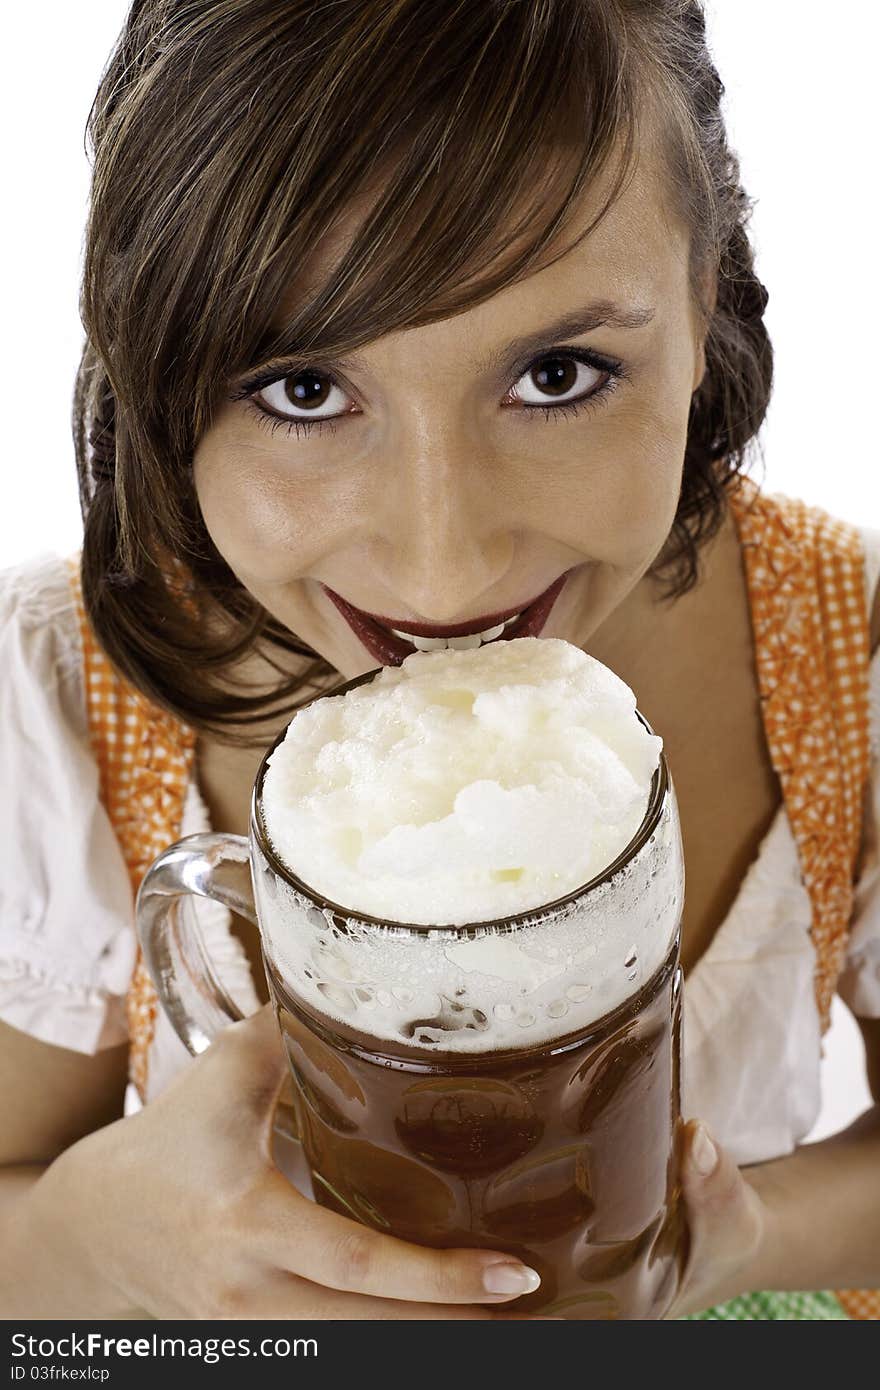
[781, 1307]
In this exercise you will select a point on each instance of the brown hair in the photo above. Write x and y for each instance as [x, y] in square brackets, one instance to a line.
[228, 134]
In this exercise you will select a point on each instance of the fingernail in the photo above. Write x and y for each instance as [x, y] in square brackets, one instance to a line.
[510, 1279]
[704, 1155]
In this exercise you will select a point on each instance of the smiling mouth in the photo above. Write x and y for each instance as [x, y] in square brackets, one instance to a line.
[391, 645]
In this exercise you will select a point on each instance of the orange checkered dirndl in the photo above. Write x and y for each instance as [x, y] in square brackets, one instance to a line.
[805, 578]
[145, 758]
[804, 573]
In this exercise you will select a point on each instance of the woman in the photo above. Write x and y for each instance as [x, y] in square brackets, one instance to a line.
[410, 310]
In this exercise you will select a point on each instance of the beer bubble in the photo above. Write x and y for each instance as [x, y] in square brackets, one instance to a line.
[332, 963]
[426, 1036]
[558, 1009]
[338, 998]
[577, 992]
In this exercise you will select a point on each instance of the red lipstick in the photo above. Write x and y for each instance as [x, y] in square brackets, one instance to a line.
[390, 650]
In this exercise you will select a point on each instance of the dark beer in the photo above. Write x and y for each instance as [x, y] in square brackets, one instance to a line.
[563, 1154]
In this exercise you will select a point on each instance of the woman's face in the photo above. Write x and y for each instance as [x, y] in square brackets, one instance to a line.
[451, 482]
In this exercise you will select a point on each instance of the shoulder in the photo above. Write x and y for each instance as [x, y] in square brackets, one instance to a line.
[815, 525]
[44, 734]
[37, 599]
[40, 644]
[36, 588]
[66, 934]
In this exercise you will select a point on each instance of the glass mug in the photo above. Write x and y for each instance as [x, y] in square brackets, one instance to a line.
[563, 1151]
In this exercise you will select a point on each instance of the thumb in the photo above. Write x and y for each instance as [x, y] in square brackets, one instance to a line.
[254, 1061]
[724, 1212]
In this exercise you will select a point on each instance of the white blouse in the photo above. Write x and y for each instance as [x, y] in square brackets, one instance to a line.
[752, 1046]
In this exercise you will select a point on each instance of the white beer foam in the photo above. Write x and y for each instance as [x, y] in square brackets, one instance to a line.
[411, 799]
[462, 786]
[555, 973]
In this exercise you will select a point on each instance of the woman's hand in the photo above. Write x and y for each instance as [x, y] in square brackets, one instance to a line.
[179, 1212]
[729, 1223]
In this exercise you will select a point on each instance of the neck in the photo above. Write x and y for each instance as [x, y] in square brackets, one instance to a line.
[636, 640]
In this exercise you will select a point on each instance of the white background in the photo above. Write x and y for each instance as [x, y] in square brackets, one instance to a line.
[800, 99]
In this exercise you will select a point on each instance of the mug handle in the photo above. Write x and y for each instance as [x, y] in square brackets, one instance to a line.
[209, 865]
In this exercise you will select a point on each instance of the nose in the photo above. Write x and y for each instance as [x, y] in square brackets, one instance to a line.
[445, 541]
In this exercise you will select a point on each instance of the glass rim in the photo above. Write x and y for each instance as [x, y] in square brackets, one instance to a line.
[657, 798]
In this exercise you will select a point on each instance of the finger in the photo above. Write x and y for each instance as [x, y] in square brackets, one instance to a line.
[287, 1231]
[724, 1211]
[285, 1297]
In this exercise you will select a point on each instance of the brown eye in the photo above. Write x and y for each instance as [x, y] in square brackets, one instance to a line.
[558, 378]
[305, 395]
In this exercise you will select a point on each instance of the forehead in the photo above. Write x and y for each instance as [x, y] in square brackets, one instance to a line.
[638, 251]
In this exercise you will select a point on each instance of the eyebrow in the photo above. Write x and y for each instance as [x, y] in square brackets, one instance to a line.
[598, 313]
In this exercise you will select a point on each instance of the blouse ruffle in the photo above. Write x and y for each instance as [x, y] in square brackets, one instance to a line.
[67, 944]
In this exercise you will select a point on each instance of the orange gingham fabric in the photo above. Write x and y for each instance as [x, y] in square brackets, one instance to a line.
[861, 1303]
[805, 579]
[144, 758]
[804, 573]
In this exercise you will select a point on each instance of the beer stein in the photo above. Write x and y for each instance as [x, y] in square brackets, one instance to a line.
[509, 1084]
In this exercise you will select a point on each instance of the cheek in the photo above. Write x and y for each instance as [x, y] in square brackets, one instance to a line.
[612, 489]
[645, 496]
[263, 522]
[641, 459]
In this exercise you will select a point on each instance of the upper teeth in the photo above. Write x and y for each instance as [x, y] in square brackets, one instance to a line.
[457, 644]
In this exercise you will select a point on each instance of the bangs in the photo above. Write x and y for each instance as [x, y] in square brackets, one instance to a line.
[467, 133]
[466, 205]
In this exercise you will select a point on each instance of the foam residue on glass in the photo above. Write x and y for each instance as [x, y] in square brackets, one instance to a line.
[555, 973]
